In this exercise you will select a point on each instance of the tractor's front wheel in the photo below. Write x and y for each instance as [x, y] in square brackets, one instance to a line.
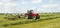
[37, 17]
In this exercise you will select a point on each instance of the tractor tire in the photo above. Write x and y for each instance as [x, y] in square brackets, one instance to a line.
[30, 17]
[38, 17]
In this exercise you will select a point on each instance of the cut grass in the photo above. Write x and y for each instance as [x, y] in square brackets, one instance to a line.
[25, 22]
[54, 23]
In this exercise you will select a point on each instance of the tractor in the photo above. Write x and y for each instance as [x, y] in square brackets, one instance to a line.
[31, 15]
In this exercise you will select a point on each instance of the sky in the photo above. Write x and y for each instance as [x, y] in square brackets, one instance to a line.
[21, 6]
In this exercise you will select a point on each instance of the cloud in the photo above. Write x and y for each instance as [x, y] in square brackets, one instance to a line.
[24, 2]
[49, 8]
[0, 3]
[36, 1]
[8, 0]
[6, 6]
[11, 6]
[54, 1]
[50, 5]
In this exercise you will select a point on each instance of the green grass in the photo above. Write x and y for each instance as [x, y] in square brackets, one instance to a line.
[42, 24]
[46, 21]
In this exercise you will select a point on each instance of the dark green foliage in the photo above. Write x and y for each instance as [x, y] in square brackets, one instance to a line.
[1, 13]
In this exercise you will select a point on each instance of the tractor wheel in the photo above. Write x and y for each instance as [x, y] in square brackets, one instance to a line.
[38, 17]
[30, 17]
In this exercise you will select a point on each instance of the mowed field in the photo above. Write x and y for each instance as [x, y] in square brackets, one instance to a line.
[50, 20]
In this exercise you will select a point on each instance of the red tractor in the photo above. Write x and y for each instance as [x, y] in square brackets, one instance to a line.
[31, 15]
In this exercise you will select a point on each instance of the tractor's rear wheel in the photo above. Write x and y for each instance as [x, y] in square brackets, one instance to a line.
[30, 17]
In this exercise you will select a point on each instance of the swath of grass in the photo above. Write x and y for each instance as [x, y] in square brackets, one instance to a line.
[26, 22]
[44, 24]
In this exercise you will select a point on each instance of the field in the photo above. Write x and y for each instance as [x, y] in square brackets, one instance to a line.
[49, 20]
